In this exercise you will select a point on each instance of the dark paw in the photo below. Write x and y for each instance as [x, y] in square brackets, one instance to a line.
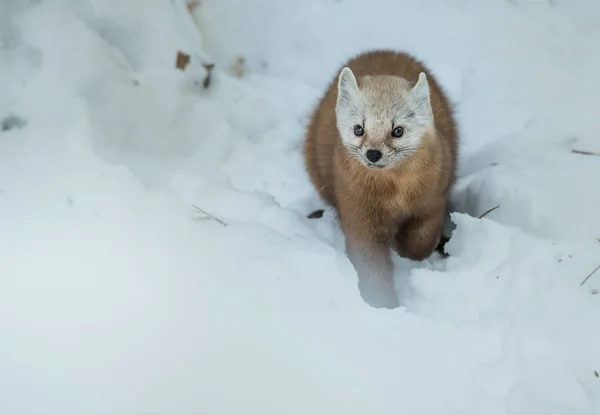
[442, 245]
[316, 214]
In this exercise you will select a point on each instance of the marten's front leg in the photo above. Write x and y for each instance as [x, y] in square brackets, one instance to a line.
[374, 267]
[417, 238]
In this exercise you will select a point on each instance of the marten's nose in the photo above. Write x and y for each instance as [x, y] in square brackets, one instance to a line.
[374, 155]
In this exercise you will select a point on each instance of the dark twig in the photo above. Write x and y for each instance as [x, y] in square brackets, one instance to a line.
[488, 211]
[585, 153]
[209, 67]
[208, 216]
[589, 276]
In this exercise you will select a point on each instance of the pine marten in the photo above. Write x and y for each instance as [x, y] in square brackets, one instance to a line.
[381, 148]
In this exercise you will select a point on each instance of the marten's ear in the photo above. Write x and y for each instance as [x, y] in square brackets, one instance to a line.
[421, 98]
[347, 86]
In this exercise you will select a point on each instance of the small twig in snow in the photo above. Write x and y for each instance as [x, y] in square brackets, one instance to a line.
[589, 276]
[488, 211]
[585, 153]
[209, 67]
[208, 216]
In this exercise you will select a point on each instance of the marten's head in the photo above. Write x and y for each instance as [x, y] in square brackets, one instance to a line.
[382, 119]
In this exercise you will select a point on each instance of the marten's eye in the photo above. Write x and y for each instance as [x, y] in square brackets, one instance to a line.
[397, 132]
[358, 131]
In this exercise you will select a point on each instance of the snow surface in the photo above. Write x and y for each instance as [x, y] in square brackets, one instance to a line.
[116, 297]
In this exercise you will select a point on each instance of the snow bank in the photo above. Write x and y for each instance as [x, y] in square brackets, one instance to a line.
[117, 296]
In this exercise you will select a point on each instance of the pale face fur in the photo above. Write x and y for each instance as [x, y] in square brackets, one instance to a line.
[381, 104]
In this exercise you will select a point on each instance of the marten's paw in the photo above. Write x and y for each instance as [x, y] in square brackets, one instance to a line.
[440, 249]
[377, 295]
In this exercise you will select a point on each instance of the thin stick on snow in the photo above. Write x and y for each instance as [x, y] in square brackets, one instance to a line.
[488, 211]
[208, 216]
[589, 276]
[209, 68]
[585, 153]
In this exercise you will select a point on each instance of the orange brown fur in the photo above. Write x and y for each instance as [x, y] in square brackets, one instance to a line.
[401, 208]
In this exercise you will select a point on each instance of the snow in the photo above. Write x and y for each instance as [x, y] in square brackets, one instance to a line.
[117, 296]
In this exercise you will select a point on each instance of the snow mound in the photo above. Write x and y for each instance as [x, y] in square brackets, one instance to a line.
[540, 181]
